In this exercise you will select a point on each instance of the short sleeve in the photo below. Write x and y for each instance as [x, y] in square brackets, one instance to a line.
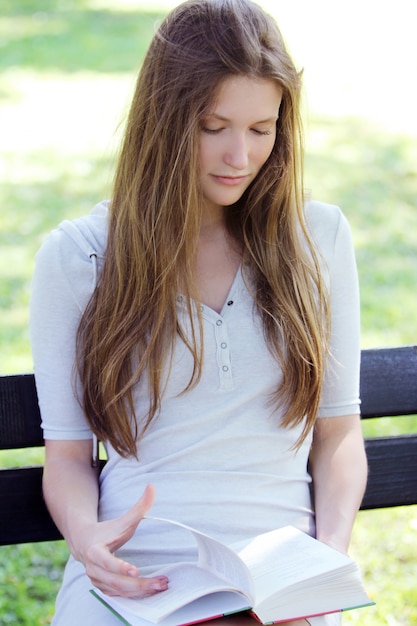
[62, 284]
[340, 393]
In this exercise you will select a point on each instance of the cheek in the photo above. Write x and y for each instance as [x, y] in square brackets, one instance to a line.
[265, 152]
[205, 158]
[209, 150]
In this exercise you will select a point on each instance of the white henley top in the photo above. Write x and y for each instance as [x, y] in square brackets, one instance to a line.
[217, 455]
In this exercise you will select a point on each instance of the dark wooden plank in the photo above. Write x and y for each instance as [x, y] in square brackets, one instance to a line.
[20, 420]
[389, 381]
[392, 472]
[23, 515]
[389, 388]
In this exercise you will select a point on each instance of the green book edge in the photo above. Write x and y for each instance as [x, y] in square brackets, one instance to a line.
[110, 608]
[359, 606]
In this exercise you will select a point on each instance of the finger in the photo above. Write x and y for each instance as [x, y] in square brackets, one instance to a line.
[145, 503]
[141, 588]
[142, 506]
[101, 557]
[148, 497]
[106, 570]
[126, 525]
[118, 585]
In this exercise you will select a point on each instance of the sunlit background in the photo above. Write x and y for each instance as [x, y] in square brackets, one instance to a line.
[359, 59]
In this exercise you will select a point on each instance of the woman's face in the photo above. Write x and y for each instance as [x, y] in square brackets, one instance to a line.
[236, 138]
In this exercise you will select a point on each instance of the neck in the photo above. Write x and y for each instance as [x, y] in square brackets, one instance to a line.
[212, 221]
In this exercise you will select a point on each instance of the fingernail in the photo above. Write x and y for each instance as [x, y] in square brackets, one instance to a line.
[132, 572]
[160, 585]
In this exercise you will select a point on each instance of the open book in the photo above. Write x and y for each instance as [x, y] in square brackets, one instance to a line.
[279, 575]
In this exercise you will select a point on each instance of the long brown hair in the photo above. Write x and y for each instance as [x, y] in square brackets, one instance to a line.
[130, 325]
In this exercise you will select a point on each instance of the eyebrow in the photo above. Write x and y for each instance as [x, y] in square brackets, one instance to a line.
[221, 118]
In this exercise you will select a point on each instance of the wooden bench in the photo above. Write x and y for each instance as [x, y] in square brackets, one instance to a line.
[388, 388]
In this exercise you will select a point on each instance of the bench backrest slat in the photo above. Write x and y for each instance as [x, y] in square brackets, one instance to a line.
[392, 463]
[389, 381]
[24, 517]
[20, 420]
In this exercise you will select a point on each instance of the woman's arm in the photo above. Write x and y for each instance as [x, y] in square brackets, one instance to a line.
[70, 487]
[339, 471]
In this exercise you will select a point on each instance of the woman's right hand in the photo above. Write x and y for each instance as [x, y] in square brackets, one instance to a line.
[71, 492]
[99, 542]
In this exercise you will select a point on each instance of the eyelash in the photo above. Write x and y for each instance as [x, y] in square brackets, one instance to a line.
[262, 132]
[216, 131]
[211, 131]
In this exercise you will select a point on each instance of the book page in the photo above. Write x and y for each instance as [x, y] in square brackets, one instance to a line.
[219, 559]
[287, 556]
[187, 582]
[202, 609]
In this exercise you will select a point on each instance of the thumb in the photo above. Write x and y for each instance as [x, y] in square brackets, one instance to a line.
[144, 504]
[129, 521]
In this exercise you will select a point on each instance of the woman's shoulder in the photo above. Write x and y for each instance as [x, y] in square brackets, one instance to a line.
[79, 238]
[326, 223]
[82, 236]
[73, 253]
[321, 215]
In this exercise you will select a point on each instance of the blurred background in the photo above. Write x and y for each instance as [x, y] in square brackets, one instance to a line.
[68, 69]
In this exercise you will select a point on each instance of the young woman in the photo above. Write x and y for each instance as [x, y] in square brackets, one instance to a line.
[203, 324]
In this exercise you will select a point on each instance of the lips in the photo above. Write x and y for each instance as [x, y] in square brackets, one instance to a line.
[230, 181]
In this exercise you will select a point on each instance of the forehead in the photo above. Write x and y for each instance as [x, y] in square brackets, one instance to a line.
[245, 95]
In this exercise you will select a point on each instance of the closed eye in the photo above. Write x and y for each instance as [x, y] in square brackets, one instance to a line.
[261, 132]
[216, 131]
[211, 131]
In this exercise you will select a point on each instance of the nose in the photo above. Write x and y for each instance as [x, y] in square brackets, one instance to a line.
[236, 154]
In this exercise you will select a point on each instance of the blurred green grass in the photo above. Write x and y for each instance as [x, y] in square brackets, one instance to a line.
[67, 69]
